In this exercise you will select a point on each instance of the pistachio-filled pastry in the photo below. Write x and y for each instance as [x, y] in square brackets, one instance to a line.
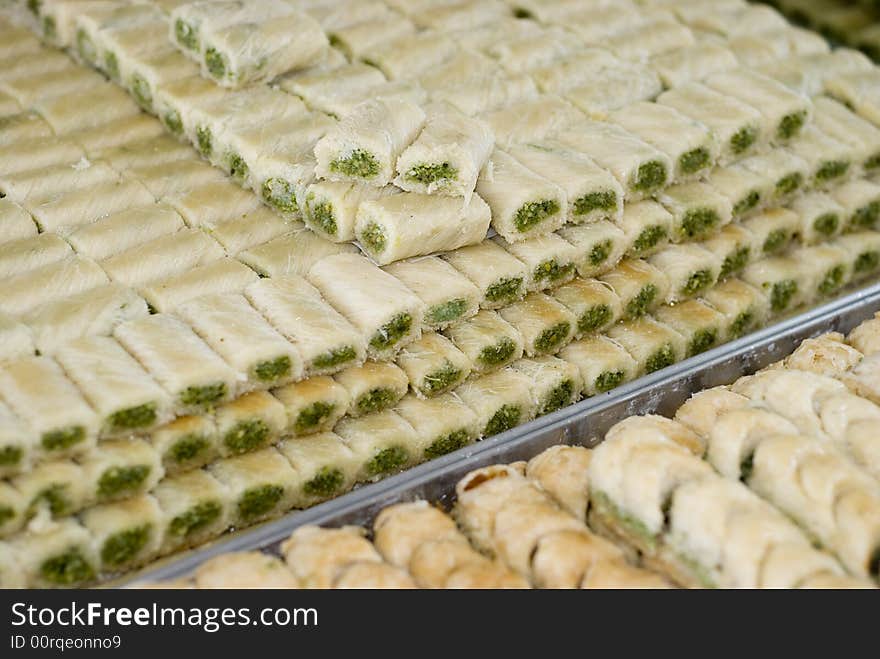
[383, 443]
[23, 125]
[857, 90]
[698, 210]
[821, 217]
[16, 339]
[501, 400]
[38, 392]
[830, 269]
[55, 489]
[323, 339]
[17, 222]
[196, 377]
[783, 279]
[373, 386]
[829, 354]
[366, 144]
[129, 228]
[118, 388]
[594, 304]
[21, 256]
[313, 405]
[603, 363]
[735, 247]
[838, 121]
[249, 422]
[647, 226]
[188, 22]
[639, 285]
[860, 201]
[487, 340]
[400, 226]
[433, 365]
[500, 277]
[688, 143]
[411, 55]
[252, 569]
[563, 472]
[324, 464]
[773, 229]
[17, 442]
[592, 192]
[746, 190]
[555, 383]
[532, 120]
[866, 337]
[784, 173]
[545, 324]
[331, 206]
[447, 156]
[690, 269]
[351, 284]
[523, 203]
[172, 100]
[26, 292]
[864, 252]
[653, 345]
[121, 468]
[600, 246]
[293, 253]
[613, 87]
[59, 555]
[745, 307]
[653, 36]
[737, 126]
[188, 442]
[692, 63]
[829, 159]
[640, 169]
[448, 295]
[143, 75]
[701, 325]
[41, 152]
[550, 258]
[443, 424]
[126, 533]
[195, 508]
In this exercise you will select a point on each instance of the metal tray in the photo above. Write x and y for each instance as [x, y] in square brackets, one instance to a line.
[584, 423]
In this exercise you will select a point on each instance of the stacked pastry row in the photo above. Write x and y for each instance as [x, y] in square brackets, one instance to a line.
[850, 23]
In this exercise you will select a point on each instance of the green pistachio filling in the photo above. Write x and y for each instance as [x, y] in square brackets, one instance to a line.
[595, 318]
[743, 139]
[601, 200]
[826, 224]
[427, 173]
[694, 160]
[273, 369]
[325, 483]
[238, 168]
[633, 526]
[279, 194]
[111, 65]
[649, 238]
[335, 357]
[782, 293]
[789, 184]
[195, 519]
[498, 353]
[122, 547]
[831, 170]
[608, 380]
[445, 377]
[776, 240]
[791, 125]
[63, 438]
[504, 290]
[204, 140]
[134, 417]
[392, 332]
[313, 416]
[638, 306]
[204, 395]
[735, 261]
[698, 281]
[532, 213]
[552, 338]
[872, 163]
[359, 163]
[186, 35]
[867, 262]
[55, 498]
[246, 436]
[67, 569]
[560, 396]
[10, 455]
[215, 62]
[650, 176]
[519, 12]
[258, 501]
[742, 323]
[747, 203]
[552, 271]
[376, 399]
[600, 252]
[507, 417]
[50, 29]
[832, 280]
[320, 215]
[117, 481]
[86, 47]
[446, 312]
[698, 222]
[34, 6]
[663, 357]
[6, 514]
[702, 340]
[373, 238]
[387, 460]
[866, 217]
[746, 467]
[448, 443]
[187, 448]
[142, 93]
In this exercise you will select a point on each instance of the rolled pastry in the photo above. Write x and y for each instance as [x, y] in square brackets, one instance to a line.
[224, 275]
[830, 269]
[545, 324]
[55, 488]
[698, 210]
[60, 555]
[142, 77]
[594, 304]
[248, 423]
[744, 306]
[120, 468]
[384, 443]
[126, 533]
[33, 187]
[22, 126]
[652, 344]
[600, 246]
[17, 339]
[433, 365]
[41, 152]
[212, 203]
[603, 363]
[500, 276]
[838, 121]
[357, 40]
[647, 226]
[639, 285]
[782, 278]
[555, 383]
[864, 337]
[373, 386]
[313, 405]
[692, 63]
[195, 507]
[12, 512]
[187, 443]
[17, 222]
[501, 400]
[171, 99]
[244, 570]
[22, 256]
[487, 340]
[323, 87]
[550, 258]
[317, 556]
[857, 91]
[291, 254]
[17, 442]
[735, 247]
[442, 424]
[745, 190]
[829, 159]
[773, 229]
[531, 120]
[690, 269]
[613, 87]
[134, 142]
[324, 464]
[120, 231]
[563, 472]
[411, 55]
[860, 200]
[189, 22]
[331, 206]
[701, 325]
[864, 252]
[783, 172]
